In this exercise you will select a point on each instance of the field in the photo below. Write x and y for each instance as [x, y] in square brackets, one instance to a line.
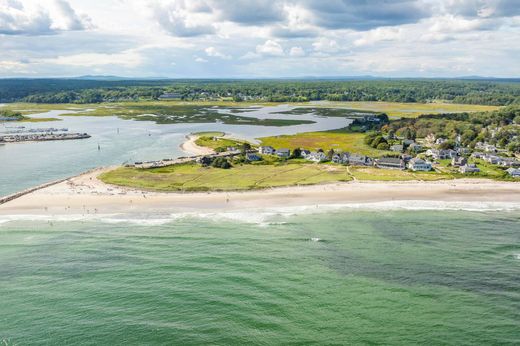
[337, 140]
[409, 110]
[192, 177]
[215, 141]
[376, 174]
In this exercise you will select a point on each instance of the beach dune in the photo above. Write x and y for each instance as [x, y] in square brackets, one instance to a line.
[85, 194]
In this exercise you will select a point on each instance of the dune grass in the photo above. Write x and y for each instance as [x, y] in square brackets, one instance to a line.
[192, 177]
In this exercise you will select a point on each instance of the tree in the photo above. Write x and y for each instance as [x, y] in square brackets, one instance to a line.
[296, 153]
[245, 147]
[447, 145]
[330, 153]
[383, 146]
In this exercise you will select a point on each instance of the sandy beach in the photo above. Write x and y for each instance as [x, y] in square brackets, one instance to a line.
[85, 194]
[189, 146]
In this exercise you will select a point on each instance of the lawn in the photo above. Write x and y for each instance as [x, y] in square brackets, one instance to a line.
[409, 110]
[371, 173]
[337, 140]
[192, 177]
[216, 142]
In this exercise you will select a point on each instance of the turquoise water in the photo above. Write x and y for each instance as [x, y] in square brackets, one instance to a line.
[341, 277]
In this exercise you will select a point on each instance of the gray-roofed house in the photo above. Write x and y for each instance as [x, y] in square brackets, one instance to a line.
[266, 150]
[359, 160]
[283, 153]
[253, 157]
[417, 164]
[469, 168]
[390, 163]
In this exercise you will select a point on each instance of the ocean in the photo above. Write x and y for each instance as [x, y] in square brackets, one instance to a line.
[336, 276]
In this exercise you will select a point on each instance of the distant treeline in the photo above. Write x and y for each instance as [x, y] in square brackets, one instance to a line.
[486, 92]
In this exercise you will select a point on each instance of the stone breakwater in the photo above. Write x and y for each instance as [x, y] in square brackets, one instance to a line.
[43, 137]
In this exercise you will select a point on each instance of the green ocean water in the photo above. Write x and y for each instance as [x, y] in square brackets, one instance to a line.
[342, 277]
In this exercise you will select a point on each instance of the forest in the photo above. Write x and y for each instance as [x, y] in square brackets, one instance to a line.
[485, 92]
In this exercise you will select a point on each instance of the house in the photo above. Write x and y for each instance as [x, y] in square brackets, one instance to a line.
[430, 138]
[513, 172]
[397, 147]
[469, 168]
[408, 142]
[304, 153]
[266, 150]
[253, 157]
[341, 158]
[317, 156]
[359, 160]
[440, 140]
[463, 151]
[477, 155]
[441, 154]
[508, 162]
[283, 153]
[170, 96]
[417, 164]
[459, 161]
[492, 159]
[390, 163]
[414, 147]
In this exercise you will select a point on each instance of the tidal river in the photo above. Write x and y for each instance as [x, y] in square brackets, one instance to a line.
[24, 165]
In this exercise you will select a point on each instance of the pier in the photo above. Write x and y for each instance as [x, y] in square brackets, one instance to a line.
[42, 137]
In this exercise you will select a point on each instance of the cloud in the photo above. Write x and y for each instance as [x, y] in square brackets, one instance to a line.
[366, 15]
[297, 51]
[181, 19]
[326, 45]
[270, 48]
[68, 18]
[213, 52]
[19, 19]
[199, 59]
[248, 12]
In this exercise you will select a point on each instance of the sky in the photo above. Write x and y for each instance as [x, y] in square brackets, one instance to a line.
[259, 38]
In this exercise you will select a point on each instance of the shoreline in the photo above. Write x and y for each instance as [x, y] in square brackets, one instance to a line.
[189, 146]
[86, 195]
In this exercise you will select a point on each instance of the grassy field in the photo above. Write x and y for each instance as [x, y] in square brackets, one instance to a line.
[192, 177]
[337, 140]
[376, 174]
[216, 142]
[409, 110]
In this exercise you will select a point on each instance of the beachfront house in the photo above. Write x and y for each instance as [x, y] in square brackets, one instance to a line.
[469, 168]
[341, 158]
[509, 162]
[513, 172]
[304, 153]
[266, 150]
[417, 164]
[390, 163]
[441, 154]
[253, 157]
[317, 156]
[283, 153]
[359, 160]
[458, 161]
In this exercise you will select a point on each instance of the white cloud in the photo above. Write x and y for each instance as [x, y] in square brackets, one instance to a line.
[199, 59]
[271, 48]
[297, 51]
[213, 52]
[326, 45]
[17, 18]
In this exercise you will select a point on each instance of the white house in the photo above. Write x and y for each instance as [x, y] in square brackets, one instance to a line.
[513, 172]
[266, 150]
[317, 156]
[397, 147]
[469, 168]
[417, 164]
